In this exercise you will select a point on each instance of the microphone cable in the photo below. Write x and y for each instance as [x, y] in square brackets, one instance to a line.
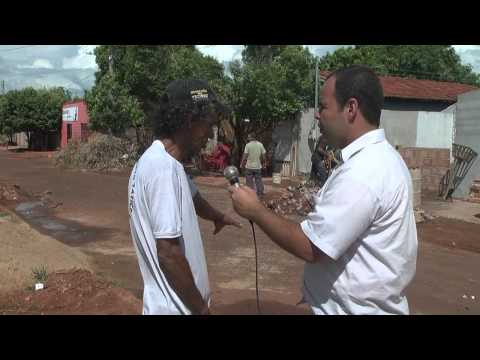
[256, 268]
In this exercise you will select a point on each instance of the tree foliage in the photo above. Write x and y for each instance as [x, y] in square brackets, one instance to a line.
[272, 84]
[432, 62]
[33, 111]
[132, 78]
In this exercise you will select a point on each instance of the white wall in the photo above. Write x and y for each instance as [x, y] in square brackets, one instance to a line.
[468, 134]
[418, 128]
[435, 130]
[400, 127]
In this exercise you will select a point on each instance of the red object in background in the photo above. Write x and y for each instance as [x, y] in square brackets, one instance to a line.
[74, 122]
[219, 159]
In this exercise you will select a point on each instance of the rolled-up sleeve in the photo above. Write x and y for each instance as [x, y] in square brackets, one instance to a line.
[344, 211]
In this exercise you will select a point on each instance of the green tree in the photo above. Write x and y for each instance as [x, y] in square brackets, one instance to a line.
[35, 112]
[8, 125]
[112, 108]
[267, 89]
[261, 53]
[139, 75]
[433, 62]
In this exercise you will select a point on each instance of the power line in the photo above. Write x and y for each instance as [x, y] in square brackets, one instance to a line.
[18, 48]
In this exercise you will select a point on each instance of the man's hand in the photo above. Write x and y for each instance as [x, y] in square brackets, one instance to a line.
[245, 201]
[223, 221]
[207, 212]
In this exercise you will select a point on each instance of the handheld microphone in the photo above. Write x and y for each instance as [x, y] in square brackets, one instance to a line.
[231, 174]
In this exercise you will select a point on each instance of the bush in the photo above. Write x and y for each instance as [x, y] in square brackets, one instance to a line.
[3, 139]
[101, 152]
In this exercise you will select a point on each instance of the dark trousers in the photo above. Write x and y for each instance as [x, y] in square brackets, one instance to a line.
[251, 175]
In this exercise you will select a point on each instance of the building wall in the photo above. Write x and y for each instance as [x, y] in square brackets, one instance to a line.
[467, 133]
[82, 118]
[435, 130]
[400, 127]
[433, 163]
[418, 128]
[308, 135]
[21, 139]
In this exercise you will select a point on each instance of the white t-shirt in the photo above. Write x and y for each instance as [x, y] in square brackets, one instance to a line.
[363, 220]
[161, 206]
[254, 149]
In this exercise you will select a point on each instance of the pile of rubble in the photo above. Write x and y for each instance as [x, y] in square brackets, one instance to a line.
[475, 191]
[296, 200]
[421, 215]
[9, 192]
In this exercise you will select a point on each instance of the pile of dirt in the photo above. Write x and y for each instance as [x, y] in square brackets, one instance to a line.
[72, 292]
[100, 152]
[295, 200]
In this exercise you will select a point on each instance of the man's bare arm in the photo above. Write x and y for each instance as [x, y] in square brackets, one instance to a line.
[179, 275]
[208, 212]
[285, 233]
[205, 210]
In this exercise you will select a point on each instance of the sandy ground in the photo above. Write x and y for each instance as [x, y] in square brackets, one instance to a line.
[23, 249]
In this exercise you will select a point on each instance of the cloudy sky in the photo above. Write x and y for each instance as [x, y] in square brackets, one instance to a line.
[73, 66]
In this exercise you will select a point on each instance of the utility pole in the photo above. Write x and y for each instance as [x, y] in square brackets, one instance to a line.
[316, 97]
[3, 86]
[316, 85]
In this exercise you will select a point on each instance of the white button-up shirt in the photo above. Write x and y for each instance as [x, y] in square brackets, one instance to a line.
[363, 220]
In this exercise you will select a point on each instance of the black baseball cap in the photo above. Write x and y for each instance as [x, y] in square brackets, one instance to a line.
[189, 92]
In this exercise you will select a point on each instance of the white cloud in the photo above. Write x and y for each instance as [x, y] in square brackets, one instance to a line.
[70, 66]
[321, 50]
[73, 66]
[83, 60]
[470, 54]
[223, 53]
[38, 64]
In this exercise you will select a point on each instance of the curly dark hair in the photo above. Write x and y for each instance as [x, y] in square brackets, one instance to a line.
[178, 103]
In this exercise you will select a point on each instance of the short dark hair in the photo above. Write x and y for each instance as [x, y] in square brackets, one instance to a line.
[183, 98]
[361, 83]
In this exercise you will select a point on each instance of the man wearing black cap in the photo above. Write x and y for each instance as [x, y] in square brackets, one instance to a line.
[164, 203]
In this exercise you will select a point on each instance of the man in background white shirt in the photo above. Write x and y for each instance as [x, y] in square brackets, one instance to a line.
[360, 240]
[164, 203]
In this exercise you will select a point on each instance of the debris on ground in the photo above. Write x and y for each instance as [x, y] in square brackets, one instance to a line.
[298, 200]
[475, 191]
[294, 200]
[421, 215]
[9, 192]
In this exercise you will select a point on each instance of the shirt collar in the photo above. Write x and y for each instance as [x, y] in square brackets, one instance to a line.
[371, 137]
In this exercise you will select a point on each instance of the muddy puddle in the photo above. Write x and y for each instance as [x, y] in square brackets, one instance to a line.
[69, 232]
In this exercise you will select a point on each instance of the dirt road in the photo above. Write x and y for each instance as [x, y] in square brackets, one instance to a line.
[94, 217]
